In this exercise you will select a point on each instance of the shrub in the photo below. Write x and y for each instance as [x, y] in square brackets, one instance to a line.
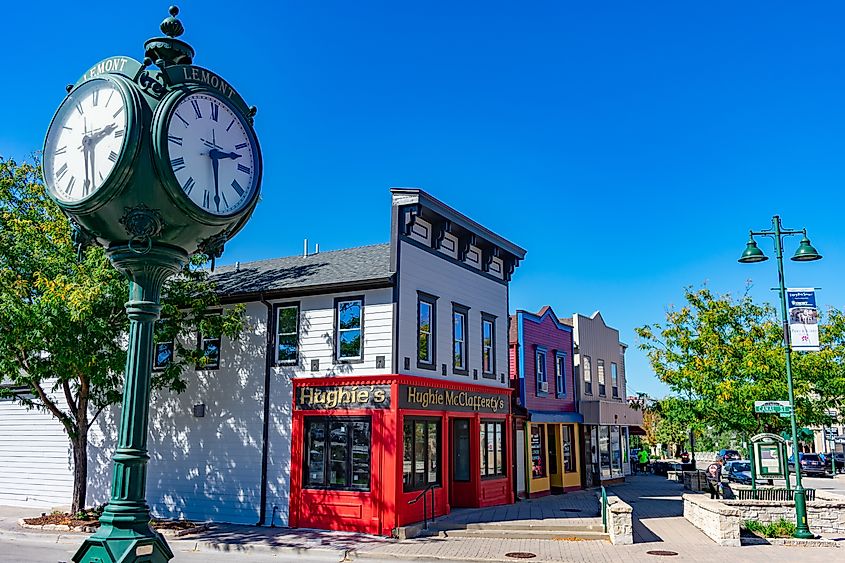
[780, 529]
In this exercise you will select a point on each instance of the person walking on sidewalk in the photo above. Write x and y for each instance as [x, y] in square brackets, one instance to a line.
[643, 458]
[714, 479]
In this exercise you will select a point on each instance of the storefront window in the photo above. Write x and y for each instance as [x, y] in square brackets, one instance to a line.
[492, 449]
[568, 448]
[604, 451]
[346, 464]
[615, 451]
[538, 440]
[421, 456]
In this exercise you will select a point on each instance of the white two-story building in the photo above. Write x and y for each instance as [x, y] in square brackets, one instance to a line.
[366, 377]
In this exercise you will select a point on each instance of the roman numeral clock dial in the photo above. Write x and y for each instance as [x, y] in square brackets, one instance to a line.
[212, 153]
[85, 140]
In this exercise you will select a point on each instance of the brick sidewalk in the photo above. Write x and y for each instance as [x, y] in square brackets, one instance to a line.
[659, 525]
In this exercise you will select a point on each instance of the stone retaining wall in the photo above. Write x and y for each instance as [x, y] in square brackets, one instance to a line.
[620, 525]
[825, 515]
[718, 521]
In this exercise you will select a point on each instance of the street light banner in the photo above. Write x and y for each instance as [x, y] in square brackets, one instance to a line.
[803, 319]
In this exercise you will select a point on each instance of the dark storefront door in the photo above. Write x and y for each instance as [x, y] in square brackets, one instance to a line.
[461, 484]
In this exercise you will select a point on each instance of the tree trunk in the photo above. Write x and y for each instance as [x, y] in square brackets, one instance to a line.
[80, 471]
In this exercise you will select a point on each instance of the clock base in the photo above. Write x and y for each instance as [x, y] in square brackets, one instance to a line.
[110, 544]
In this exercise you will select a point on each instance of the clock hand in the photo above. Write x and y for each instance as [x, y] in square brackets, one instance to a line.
[220, 154]
[102, 133]
[215, 167]
[87, 181]
[210, 144]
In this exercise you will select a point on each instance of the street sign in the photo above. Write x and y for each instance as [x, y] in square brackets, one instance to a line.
[773, 407]
[831, 433]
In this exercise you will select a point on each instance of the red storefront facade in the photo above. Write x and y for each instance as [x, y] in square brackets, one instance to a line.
[363, 448]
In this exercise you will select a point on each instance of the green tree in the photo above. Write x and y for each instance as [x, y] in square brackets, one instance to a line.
[719, 354]
[63, 318]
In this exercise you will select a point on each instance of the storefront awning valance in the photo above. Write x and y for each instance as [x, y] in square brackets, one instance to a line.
[555, 417]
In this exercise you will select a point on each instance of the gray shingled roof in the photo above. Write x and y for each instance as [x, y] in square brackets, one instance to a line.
[347, 266]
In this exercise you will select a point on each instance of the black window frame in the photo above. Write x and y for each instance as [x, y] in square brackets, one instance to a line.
[425, 420]
[483, 443]
[587, 370]
[336, 359]
[488, 318]
[541, 351]
[431, 301]
[327, 421]
[601, 376]
[156, 366]
[458, 309]
[560, 374]
[276, 334]
[202, 342]
[614, 379]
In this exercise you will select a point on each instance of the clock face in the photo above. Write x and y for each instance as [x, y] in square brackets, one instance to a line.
[213, 155]
[85, 140]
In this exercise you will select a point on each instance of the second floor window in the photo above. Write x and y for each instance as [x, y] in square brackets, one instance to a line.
[459, 340]
[426, 336]
[350, 342]
[587, 368]
[488, 343]
[540, 371]
[614, 379]
[602, 382]
[560, 375]
[287, 334]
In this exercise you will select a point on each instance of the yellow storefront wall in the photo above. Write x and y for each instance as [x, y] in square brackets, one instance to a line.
[555, 478]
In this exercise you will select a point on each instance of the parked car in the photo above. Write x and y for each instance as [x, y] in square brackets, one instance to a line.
[728, 455]
[811, 464]
[738, 471]
[840, 462]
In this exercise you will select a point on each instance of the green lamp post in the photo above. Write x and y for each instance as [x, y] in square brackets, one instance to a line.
[805, 253]
[154, 164]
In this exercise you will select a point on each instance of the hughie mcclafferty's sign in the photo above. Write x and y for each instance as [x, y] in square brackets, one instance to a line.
[343, 397]
[431, 398]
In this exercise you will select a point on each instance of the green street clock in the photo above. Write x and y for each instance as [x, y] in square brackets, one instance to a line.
[87, 140]
[155, 161]
[208, 153]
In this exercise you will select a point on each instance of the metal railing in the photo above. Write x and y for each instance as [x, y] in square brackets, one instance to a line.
[772, 494]
[604, 509]
[422, 496]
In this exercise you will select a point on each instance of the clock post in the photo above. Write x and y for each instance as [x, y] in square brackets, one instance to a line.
[118, 164]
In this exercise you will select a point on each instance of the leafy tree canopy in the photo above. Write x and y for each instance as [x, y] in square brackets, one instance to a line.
[62, 343]
[719, 354]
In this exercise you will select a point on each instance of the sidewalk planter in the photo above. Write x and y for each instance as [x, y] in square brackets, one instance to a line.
[718, 521]
[825, 515]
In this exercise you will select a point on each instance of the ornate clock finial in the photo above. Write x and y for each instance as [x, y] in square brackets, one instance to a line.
[171, 26]
[168, 50]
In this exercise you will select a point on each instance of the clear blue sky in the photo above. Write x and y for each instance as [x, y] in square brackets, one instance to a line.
[629, 146]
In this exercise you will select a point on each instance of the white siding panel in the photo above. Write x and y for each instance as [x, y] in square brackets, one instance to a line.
[36, 461]
[316, 336]
[423, 271]
[206, 468]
